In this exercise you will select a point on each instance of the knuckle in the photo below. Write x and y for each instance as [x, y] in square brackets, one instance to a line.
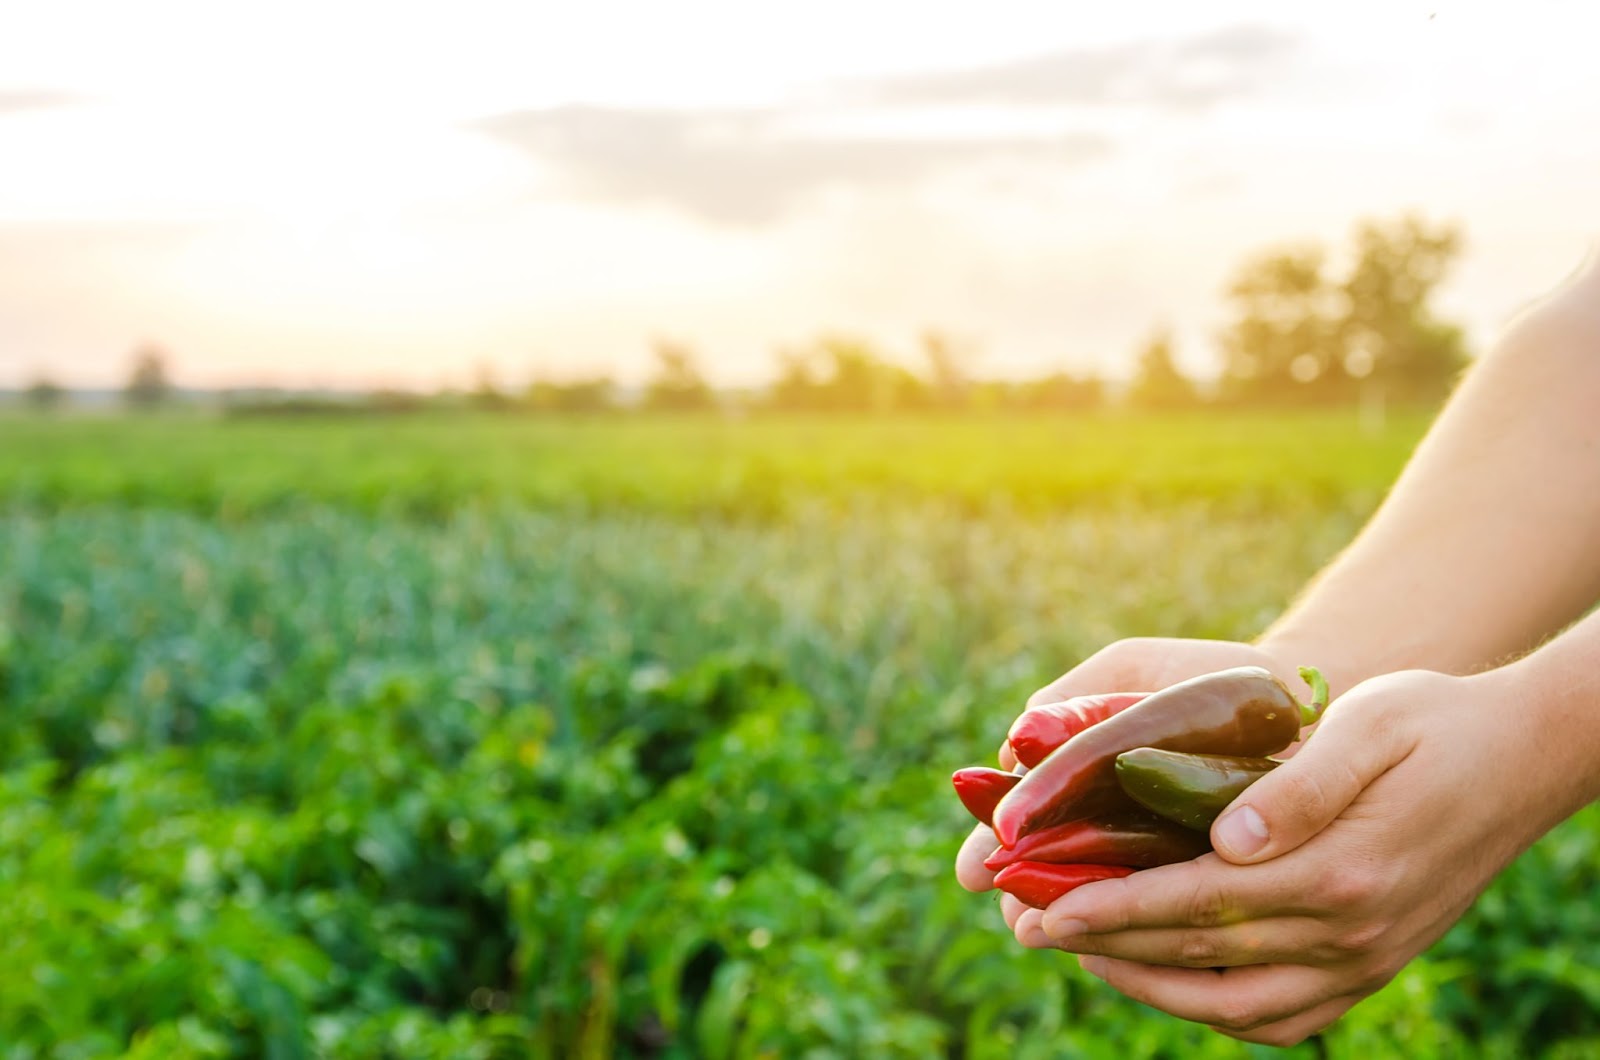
[1372, 715]
[1281, 1039]
[1119, 657]
[1375, 974]
[1047, 694]
[1360, 939]
[1208, 906]
[1238, 1013]
[1301, 797]
[1354, 887]
[1201, 949]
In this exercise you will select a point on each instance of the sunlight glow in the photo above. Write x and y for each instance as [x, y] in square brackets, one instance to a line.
[319, 173]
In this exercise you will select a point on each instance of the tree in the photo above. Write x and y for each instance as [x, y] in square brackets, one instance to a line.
[859, 379]
[1299, 334]
[486, 392]
[1390, 329]
[797, 385]
[844, 375]
[1060, 392]
[44, 394]
[596, 394]
[1286, 334]
[678, 385]
[1158, 382]
[949, 374]
[148, 384]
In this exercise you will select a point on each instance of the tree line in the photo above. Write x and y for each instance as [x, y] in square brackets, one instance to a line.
[1299, 331]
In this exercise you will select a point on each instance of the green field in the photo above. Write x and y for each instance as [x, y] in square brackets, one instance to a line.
[700, 466]
[495, 737]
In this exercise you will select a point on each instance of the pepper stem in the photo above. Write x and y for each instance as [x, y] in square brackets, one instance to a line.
[1310, 712]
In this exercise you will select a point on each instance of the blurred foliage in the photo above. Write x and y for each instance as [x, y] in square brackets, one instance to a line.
[44, 394]
[596, 394]
[1301, 334]
[148, 384]
[677, 385]
[1158, 382]
[634, 775]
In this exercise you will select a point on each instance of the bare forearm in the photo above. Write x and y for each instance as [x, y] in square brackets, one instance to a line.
[1556, 691]
[1488, 542]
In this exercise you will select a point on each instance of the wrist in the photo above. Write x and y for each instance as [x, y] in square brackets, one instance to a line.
[1290, 650]
[1559, 707]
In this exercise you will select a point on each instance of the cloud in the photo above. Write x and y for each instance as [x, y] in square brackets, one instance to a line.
[741, 167]
[11, 102]
[748, 167]
[1184, 74]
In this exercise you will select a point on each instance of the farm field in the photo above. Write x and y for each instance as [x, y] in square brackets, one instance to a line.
[494, 737]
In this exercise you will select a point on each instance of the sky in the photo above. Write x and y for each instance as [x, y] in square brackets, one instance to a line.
[359, 194]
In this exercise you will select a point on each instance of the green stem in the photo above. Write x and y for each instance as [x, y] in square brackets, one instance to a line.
[1310, 712]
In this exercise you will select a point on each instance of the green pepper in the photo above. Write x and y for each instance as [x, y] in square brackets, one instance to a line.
[1189, 789]
[1243, 711]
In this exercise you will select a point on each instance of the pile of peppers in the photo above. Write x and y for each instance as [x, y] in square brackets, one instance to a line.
[1106, 785]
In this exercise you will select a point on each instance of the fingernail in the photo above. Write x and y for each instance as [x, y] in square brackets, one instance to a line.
[1242, 832]
[1095, 966]
[1065, 928]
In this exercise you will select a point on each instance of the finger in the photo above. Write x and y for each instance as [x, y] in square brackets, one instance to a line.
[978, 845]
[1028, 931]
[1011, 909]
[1007, 759]
[1206, 892]
[1089, 677]
[1237, 999]
[1354, 746]
[1295, 1029]
[1285, 939]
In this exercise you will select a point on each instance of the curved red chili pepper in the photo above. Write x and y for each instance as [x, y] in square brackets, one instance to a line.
[1138, 840]
[1038, 884]
[1040, 730]
[982, 788]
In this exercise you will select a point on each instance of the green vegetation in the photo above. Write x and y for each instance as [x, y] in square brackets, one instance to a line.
[757, 466]
[485, 737]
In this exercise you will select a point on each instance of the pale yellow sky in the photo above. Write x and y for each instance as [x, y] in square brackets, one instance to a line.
[334, 194]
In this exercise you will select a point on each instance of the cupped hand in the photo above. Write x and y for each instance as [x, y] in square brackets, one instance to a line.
[1335, 870]
[1136, 664]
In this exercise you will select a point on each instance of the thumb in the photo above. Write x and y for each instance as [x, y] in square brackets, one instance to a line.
[1353, 746]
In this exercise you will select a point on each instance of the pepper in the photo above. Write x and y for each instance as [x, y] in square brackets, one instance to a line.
[1139, 840]
[1038, 884]
[981, 789]
[1040, 730]
[1189, 789]
[1243, 711]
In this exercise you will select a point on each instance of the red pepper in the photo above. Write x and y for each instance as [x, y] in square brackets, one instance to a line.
[982, 788]
[1040, 730]
[1138, 840]
[1038, 884]
[1244, 711]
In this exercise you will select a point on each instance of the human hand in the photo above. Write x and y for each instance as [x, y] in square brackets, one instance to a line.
[1335, 870]
[1136, 664]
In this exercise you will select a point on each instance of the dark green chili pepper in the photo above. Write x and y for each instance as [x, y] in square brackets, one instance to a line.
[1189, 789]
